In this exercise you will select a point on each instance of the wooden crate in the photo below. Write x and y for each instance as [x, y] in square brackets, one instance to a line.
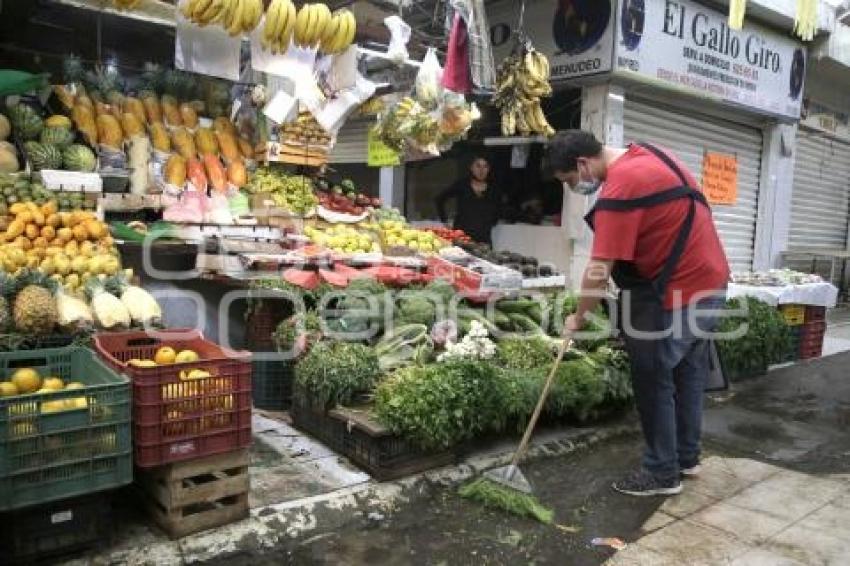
[195, 495]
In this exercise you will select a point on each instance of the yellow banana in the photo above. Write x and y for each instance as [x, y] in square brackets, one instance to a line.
[330, 33]
[188, 8]
[301, 24]
[198, 8]
[290, 15]
[247, 16]
[234, 16]
[350, 29]
[272, 17]
[336, 44]
[312, 25]
[323, 22]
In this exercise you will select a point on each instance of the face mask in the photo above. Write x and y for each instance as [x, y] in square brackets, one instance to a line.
[586, 187]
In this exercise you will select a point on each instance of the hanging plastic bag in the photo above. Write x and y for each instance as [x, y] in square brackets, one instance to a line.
[429, 78]
[399, 36]
[456, 74]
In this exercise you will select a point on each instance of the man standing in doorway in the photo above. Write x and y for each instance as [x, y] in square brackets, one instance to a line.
[654, 234]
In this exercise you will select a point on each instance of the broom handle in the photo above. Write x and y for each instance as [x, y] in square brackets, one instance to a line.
[529, 429]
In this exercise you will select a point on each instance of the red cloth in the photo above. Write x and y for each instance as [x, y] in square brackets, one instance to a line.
[646, 236]
[456, 72]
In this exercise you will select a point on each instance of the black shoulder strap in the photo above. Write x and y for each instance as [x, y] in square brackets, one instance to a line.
[667, 161]
[676, 252]
[647, 201]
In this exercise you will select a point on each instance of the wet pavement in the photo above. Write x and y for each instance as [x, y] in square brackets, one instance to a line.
[775, 428]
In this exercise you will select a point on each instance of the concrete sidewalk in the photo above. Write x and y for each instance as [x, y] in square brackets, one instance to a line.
[744, 512]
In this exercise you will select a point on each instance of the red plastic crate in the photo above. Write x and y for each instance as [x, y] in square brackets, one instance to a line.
[178, 419]
[815, 314]
[813, 329]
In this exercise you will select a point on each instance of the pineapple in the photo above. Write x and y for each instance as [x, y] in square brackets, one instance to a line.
[73, 70]
[7, 290]
[143, 308]
[151, 79]
[108, 310]
[34, 310]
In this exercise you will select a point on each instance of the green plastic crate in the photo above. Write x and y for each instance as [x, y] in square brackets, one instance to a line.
[49, 451]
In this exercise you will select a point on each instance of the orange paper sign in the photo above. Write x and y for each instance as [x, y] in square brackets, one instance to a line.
[720, 178]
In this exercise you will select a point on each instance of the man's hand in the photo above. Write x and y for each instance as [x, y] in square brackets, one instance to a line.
[574, 324]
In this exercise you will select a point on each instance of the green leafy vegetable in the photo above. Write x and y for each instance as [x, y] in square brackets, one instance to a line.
[496, 496]
[333, 372]
[524, 353]
[767, 340]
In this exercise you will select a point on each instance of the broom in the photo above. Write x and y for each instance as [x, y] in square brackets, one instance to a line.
[506, 488]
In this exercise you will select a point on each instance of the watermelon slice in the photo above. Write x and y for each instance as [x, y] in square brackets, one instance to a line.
[305, 279]
[334, 278]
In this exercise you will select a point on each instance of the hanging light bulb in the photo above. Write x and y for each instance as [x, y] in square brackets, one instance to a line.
[806, 20]
[737, 8]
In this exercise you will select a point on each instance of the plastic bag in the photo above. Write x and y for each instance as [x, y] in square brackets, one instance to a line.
[218, 210]
[399, 36]
[429, 78]
[189, 208]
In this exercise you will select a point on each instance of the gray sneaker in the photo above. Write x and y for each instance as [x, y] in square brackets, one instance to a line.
[642, 484]
[691, 472]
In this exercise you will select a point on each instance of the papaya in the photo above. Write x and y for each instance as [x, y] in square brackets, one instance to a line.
[159, 137]
[205, 142]
[215, 172]
[228, 146]
[222, 124]
[195, 172]
[175, 171]
[171, 113]
[236, 173]
[109, 131]
[83, 117]
[152, 109]
[131, 125]
[184, 143]
[189, 115]
[135, 107]
[246, 148]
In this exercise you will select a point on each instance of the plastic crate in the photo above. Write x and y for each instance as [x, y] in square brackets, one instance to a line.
[178, 419]
[272, 384]
[794, 315]
[54, 531]
[815, 314]
[47, 455]
[384, 456]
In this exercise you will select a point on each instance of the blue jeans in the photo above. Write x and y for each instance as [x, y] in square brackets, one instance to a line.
[669, 376]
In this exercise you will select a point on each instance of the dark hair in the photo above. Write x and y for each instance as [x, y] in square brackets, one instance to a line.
[478, 156]
[567, 146]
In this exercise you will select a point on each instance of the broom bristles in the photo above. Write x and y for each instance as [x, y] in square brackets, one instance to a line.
[497, 496]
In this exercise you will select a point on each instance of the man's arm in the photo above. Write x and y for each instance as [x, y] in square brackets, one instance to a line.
[594, 282]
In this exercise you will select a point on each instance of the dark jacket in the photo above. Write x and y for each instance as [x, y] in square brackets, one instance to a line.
[476, 215]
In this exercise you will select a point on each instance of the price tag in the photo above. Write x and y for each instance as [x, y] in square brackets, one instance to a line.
[61, 517]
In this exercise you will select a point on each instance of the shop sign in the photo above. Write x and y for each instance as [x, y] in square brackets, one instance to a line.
[720, 178]
[379, 154]
[690, 46]
[576, 35]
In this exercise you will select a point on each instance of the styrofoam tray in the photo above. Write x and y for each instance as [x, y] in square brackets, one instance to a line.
[71, 181]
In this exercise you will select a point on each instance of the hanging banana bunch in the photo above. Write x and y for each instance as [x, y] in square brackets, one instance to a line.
[521, 81]
[737, 9]
[235, 16]
[126, 4]
[280, 21]
[806, 20]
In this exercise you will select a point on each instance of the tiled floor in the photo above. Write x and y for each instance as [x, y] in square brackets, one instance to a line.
[744, 512]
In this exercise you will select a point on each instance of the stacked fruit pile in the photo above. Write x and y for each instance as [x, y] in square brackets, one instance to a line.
[291, 192]
[25, 381]
[49, 144]
[211, 145]
[16, 189]
[305, 130]
[396, 234]
[342, 239]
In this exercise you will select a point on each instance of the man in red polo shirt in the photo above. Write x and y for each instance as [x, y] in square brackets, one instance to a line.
[655, 236]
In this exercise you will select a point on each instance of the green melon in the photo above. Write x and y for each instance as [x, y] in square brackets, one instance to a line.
[26, 122]
[78, 157]
[43, 156]
[60, 137]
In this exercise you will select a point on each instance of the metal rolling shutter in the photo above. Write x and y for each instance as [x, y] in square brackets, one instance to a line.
[352, 142]
[819, 206]
[690, 136]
